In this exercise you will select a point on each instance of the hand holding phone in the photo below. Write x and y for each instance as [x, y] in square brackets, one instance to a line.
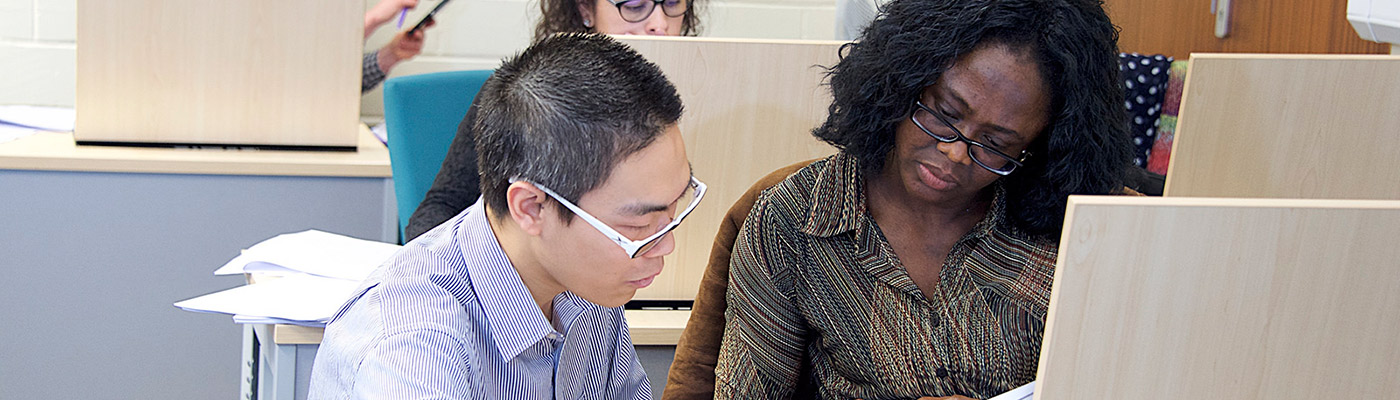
[427, 19]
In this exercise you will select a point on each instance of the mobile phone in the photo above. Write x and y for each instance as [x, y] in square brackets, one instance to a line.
[426, 18]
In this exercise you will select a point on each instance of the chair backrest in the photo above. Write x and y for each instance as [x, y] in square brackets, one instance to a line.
[421, 113]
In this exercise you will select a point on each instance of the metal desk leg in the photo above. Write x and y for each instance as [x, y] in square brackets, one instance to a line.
[277, 373]
[247, 386]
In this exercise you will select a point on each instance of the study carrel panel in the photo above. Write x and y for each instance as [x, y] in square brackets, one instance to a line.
[1288, 126]
[1242, 299]
[218, 72]
[750, 106]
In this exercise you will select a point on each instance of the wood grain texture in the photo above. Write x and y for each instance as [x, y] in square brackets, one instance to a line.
[646, 327]
[750, 106]
[1248, 299]
[57, 152]
[219, 72]
[1299, 126]
[1179, 28]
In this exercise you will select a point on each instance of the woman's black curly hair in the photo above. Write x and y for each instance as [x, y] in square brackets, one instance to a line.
[1084, 150]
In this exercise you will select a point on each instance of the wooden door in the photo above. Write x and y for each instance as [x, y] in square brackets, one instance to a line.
[1178, 28]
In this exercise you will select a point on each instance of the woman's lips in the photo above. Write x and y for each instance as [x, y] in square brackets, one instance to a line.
[937, 181]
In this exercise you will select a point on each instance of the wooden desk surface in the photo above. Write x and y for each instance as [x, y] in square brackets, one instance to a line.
[648, 328]
[48, 151]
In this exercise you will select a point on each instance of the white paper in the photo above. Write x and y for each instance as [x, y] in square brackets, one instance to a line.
[57, 119]
[11, 132]
[312, 252]
[1025, 392]
[294, 298]
[381, 131]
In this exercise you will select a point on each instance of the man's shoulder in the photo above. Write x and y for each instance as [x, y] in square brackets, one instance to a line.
[425, 281]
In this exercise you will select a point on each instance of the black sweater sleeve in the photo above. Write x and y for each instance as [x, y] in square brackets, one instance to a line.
[456, 186]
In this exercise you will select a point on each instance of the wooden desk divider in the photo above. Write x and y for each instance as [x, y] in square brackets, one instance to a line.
[218, 72]
[1288, 126]
[750, 106]
[1245, 299]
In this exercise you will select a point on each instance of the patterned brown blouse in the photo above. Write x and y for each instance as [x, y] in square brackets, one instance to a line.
[820, 306]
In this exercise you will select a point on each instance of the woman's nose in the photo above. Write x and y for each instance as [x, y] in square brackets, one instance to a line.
[956, 152]
[657, 23]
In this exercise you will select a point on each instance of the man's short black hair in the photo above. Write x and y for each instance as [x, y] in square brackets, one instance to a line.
[566, 110]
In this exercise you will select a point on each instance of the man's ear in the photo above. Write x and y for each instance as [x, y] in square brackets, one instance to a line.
[527, 206]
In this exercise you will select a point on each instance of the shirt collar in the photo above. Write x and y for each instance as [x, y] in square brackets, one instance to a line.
[513, 318]
[838, 201]
[838, 197]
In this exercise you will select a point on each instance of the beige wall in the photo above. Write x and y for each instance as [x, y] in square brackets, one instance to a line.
[37, 39]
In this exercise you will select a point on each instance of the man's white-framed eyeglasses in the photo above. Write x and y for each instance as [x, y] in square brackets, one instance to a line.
[632, 247]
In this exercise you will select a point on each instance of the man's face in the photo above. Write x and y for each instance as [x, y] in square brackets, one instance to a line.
[638, 199]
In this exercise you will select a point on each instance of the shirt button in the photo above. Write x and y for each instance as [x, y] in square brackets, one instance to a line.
[941, 372]
[554, 336]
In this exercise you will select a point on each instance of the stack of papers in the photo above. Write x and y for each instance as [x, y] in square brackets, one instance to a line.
[312, 252]
[316, 272]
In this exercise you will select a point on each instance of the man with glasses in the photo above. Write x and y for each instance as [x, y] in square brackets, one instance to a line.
[584, 176]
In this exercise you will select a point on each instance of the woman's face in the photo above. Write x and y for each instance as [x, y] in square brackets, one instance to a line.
[993, 95]
[607, 18]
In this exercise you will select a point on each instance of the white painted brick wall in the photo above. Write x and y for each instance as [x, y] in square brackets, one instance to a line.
[16, 19]
[37, 39]
[56, 20]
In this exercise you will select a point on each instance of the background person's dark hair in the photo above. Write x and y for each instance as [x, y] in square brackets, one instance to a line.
[1085, 149]
[563, 112]
[558, 16]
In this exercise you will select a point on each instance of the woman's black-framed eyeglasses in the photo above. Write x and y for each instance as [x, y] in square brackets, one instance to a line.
[639, 10]
[991, 159]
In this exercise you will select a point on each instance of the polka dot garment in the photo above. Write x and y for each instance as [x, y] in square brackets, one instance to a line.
[1145, 81]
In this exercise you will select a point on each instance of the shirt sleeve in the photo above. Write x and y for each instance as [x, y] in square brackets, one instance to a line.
[762, 353]
[417, 364]
[370, 74]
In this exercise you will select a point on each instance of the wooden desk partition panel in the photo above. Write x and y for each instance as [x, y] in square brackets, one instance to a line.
[750, 106]
[1245, 299]
[274, 73]
[1288, 126]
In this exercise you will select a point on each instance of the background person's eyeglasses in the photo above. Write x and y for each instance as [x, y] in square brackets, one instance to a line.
[991, 159]
[691, 198]
[639, 10]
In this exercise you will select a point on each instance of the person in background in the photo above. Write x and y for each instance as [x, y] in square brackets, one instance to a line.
[918, 260]
[519, 297]
[403, 46]
[455, 186]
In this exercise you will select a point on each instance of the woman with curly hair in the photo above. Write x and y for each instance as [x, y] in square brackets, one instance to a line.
[456, 184]
[918, 260]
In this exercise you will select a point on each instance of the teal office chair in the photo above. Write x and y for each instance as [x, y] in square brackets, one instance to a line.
[421, 113]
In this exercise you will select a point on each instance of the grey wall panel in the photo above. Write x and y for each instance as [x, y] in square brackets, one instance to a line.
[92, 262]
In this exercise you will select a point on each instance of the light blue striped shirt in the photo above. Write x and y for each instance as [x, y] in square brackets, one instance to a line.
[448, 317]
